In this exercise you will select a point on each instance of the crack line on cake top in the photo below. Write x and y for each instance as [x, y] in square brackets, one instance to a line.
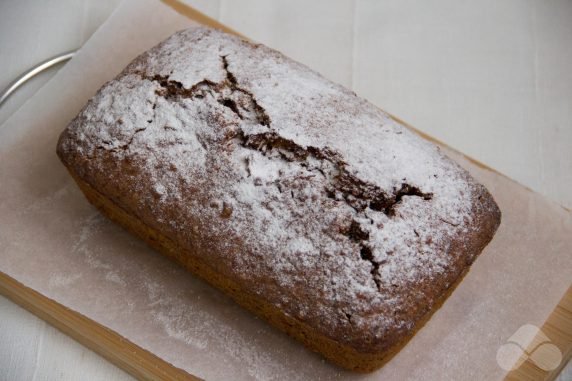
[341, 184]
[228, 93]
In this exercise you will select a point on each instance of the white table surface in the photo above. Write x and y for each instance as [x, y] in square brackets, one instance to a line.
[449, 55]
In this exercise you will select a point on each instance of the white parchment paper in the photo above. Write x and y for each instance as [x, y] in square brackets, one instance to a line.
[53, 241]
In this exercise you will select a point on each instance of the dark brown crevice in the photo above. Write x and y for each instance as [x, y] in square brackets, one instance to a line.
[366, 254]
[356, 233]
[348, 317]
[171, 89]
[407, 190]
[229, 103]
[271, 141]
[357, 193]
[260, 114]
[229, 76]
[227, 93]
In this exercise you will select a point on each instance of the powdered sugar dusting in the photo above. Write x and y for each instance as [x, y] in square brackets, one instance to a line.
[203, 330]
[286, 182]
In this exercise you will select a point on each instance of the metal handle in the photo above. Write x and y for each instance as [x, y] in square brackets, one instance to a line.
[34, 71]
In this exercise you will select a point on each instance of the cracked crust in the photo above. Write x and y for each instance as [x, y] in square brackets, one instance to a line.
[313, 202]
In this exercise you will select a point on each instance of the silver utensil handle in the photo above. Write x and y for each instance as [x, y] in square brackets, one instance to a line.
[34, 71]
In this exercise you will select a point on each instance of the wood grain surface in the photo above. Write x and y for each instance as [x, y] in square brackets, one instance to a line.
[558, 328]
[128, 356]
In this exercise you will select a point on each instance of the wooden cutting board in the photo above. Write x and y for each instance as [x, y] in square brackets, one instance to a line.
[145, 364]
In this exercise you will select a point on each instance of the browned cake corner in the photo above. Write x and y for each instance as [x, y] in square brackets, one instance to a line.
[307, 204]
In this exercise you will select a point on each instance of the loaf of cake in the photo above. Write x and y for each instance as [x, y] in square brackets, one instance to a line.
[307, 204]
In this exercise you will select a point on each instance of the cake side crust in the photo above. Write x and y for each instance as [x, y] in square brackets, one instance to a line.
[342, 355]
